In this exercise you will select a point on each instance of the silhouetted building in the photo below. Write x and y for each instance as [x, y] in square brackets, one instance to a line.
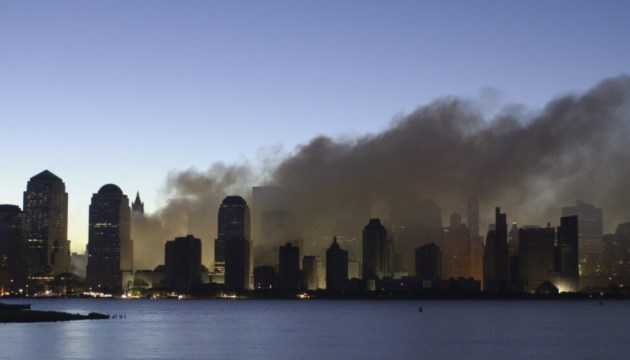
[495, 256]
[264, 277]
[567, 263]
[137, 207]
[590, 232]
[110, 249]
[537, 252]
[232, 247]
[182, 260]
[313, 273]
[289, 274]
[336, 267]
[376, 251]
[46, 209]
[13, 269]
[428, 263]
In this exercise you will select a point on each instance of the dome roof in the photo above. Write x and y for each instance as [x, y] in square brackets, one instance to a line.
[110, 189]
[234, 200]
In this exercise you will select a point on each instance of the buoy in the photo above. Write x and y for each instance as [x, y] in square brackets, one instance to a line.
[420, 309]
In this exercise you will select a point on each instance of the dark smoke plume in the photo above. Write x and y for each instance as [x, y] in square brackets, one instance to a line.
[530, 165]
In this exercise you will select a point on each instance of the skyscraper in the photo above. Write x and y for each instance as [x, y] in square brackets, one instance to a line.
[232, 247]
[536, 255]
[376, 251]
[137, 206]
[473, 216]
[336, 267]
[568, 254]
[289, 274]
[428, 262]
[495, 255]
[46, 209]
[12, 248]
[590, 232]
[182, 262]
[110, 249]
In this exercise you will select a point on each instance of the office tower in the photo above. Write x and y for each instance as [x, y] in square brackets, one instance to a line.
[46, 209]
[568, 254]
[232, 246]
[137, 207]
[428, 262]
[336, 267]
[13, 269]
[313, 270]
[376, 251]
[456, 249]
[536, 255]
[590, 232]
[182, 260]
[110, 249]
[289, 274]
[473, 217]
[513, 253]
[264, 277]
[495, 255]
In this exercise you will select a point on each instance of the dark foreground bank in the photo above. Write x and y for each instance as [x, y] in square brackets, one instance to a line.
[23, 314]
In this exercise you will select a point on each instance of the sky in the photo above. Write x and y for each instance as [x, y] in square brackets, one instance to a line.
[130, 92]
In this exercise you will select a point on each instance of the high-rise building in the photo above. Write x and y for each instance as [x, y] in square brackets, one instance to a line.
[289, 274]
[473, 216]
[376, 251]
[13, 270]
[456, 249]
[428, 262]
[536, 255]
[590, 232]
[46, 209]
[313, 269]
[232, 247]
[495, 256]
[567, 264]
[137, 207]
[182, 260]
[110, 248]
[336, 267]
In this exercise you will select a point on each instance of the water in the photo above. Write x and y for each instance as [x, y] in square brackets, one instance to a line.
[324, 329]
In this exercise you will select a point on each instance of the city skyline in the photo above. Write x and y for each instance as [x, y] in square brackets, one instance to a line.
[111, 89]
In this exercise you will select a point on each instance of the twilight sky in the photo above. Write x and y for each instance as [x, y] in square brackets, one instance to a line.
[126, 92]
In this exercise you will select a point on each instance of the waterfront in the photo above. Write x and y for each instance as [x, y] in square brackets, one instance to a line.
[324, 329]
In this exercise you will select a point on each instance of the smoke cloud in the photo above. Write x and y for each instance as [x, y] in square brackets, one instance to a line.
[531, 165]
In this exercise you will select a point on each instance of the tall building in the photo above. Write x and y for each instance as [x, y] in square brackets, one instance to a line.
[536, 255]
[567, 248]
[13, 270]
[182, 260]
[289, 274]
[456, 249]
[473, 216]
[232, 247]
[495, 255]
[110, 248]
[46, 209]
[376, 251]
[137, 207]
[428, 262]
[336, 267]
[314, 273]
[590, 232]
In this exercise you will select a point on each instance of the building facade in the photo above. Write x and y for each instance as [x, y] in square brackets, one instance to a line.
[110, 248]
[232, 248]
[46, 211]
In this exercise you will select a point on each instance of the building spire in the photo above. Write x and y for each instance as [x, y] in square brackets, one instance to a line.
[138, 205]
